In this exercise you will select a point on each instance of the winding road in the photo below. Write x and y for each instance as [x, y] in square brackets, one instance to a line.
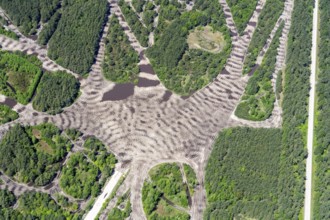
[311, 112]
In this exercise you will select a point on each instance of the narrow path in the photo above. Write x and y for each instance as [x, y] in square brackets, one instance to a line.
[104, 196]
[310, 137]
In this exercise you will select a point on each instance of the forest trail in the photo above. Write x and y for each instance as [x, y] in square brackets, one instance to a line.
[310, 137]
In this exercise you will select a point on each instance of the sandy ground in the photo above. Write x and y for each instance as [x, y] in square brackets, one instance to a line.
[310, 137]
[153, 125]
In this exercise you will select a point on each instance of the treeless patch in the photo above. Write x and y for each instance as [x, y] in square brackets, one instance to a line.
[204, 38]
[36, 133]
[20, 81]
[43, 146]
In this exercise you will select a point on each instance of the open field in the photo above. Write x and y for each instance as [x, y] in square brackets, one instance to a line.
[205, 38]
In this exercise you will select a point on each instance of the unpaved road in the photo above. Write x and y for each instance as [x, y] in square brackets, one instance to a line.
[103, 197]
[310, 137]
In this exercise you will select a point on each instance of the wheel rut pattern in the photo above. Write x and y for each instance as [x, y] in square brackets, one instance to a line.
[153, 125]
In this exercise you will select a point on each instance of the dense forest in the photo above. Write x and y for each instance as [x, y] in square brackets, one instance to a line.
[321, 185]
[86, 172]
[120, 63]
[55, 91]
[79, 177]
[6, 114]
[7, 199]
[49, 29]
[140, 31]
[266, 22]
[166, 185]
[80, 24]
[33, 154]
[27, 14]
[242, 174]
[295, 105]
[242, 11]
[258, 100]
[179, 68]
[19, 75]
[149, 15]
[34, 205]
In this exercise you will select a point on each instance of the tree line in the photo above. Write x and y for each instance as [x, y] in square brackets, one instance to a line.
[321, 151]
[80, 24]
[140, 31]
[28, 14]
[266, 22]
[295, 105]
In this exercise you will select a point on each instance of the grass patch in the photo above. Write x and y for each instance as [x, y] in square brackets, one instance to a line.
[205, 38]
[165, 211]
[19, 75]
[19, 81]
[45, 147]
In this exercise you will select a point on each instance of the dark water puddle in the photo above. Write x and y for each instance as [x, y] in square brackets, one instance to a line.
[143, 82]
[141, 55]
[49, 186]
[225, 72]
[253, 24]
[9, 102]
[119, 92]
[185, 97]
[147, 68]
[167, 95]
[33, 37]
